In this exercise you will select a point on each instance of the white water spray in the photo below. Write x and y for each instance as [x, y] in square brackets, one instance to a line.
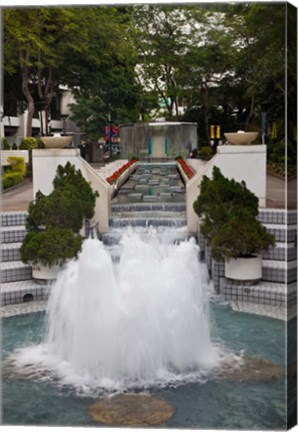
[142, 321]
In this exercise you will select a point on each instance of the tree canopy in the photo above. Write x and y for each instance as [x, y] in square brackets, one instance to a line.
[208, 63]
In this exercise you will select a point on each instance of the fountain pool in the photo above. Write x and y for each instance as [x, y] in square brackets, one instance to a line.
[146, 323]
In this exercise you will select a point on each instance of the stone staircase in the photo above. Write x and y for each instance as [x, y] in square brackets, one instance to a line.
[275, 295]
[17, 285]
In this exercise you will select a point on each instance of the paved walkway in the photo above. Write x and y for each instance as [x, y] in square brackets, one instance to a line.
[18, 198]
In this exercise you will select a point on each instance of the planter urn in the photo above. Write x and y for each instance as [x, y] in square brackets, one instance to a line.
[40, 271]
[244, 268]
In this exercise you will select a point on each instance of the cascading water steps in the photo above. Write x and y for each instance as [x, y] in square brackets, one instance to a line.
[152, 198]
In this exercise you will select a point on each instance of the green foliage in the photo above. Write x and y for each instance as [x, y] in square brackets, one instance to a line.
[229, 212]
[29, 144]
[54, 220]
[14, 146]
[11, 179]
[40, 144]
[282, 159]
[17, 164]
[4, 144]
[61, 208]
[71, 179]
[14, 174]
[50, 247]
[205, 153]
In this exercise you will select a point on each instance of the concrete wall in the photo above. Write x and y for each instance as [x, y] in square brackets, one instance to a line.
[180, 137]
[242, 163]
[45, 163]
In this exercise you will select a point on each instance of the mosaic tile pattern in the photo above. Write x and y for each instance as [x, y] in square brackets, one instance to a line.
[13, 218]
[13, 234]
[270, 216]
[262, 293]
[10, 252]
[281, 252]
[282, 233]
[22, 291]
[276, 312]
[13, 271]
[23, 308]
[279, 271]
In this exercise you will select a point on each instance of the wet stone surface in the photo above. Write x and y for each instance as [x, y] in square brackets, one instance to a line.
[131, 410]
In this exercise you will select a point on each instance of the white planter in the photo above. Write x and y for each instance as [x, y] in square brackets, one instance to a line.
[40, 271]
[244, 269]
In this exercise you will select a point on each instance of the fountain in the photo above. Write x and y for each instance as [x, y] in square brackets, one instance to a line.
[135, 323]
[141, 322]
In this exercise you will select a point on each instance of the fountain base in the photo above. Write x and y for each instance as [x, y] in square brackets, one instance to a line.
[131, 410]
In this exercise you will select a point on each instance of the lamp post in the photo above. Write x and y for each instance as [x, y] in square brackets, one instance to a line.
[110, 133]
[2, 131]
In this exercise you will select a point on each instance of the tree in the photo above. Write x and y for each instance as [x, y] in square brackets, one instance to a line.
[35, 42]
[161, 41]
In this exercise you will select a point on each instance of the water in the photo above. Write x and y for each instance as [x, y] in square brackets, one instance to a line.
[153, 183]
[140, 322]
[135, 313]
[200, 404]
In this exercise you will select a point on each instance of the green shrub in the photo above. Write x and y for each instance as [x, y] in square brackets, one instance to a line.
[4, 144]
[14, 146]
[72, 179]
[54, 220]
[229, 212]
[50, 247]
[61, 208]
[17, 164]
[205, 153]
[11, 179]
[40, 144]
[29, 144]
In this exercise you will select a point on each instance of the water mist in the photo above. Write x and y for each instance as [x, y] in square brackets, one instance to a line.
[142, 321]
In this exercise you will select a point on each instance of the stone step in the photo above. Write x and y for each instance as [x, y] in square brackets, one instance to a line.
[10, 252]
[279, 271]
[172, 235]
[277, 312]
[281, 252]
[13, 234]
[161, 214]
[265, 293]
[23, 291]
[13, 271]
[145, 207]
[13, 218]
[282, 233]
[146, 222]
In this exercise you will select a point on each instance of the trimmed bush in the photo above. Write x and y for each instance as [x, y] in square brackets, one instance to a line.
[50, 247]
[229, 210]
[62, 208]
[205, 153]
[54, 220]
[29, 144]
[72, 179]
[4, 144]
[17, 164]
[11, 179]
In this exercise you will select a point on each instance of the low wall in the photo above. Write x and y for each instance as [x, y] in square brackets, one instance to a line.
[45, 163]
